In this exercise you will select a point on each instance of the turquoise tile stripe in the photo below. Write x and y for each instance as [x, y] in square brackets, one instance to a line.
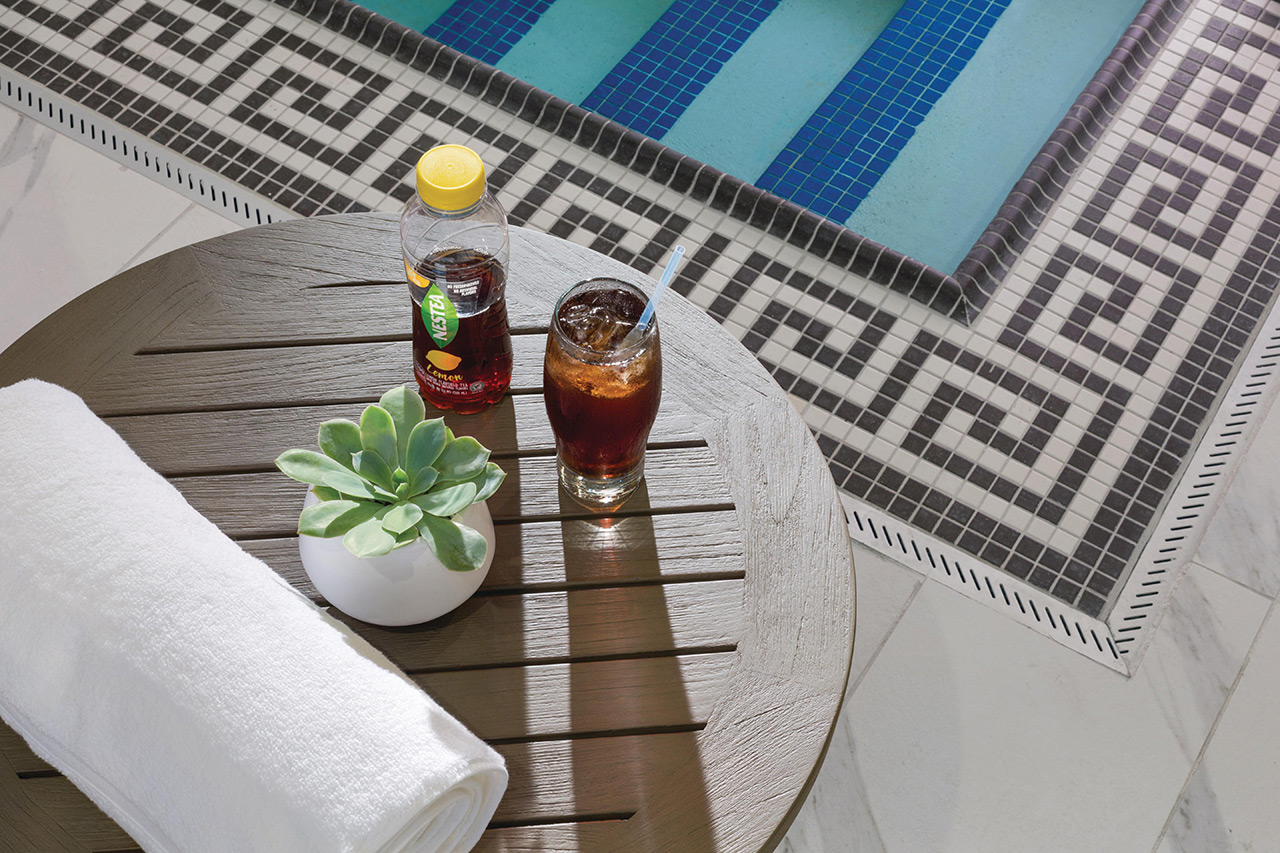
[486, 29]
[840, 153]
[658, 78]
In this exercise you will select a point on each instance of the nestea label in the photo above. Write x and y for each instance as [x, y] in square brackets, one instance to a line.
[439, 316]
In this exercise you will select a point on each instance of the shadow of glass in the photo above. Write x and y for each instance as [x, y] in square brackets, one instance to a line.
[634, 726]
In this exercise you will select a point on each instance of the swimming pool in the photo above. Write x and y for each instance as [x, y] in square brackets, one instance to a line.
[909, 121]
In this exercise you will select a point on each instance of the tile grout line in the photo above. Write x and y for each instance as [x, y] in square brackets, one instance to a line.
[917, 586]
[1213, 729]
[1234, 581]
[133, 261]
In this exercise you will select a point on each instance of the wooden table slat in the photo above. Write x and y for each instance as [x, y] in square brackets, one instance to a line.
[110, 323]
[583, 624]
[345, 288]
[592, 835]
[267, 504]
[321, 314]
[595, 777]
[588, 552]
[547, 701]
[255, 378]
[216, 442]
[557, 700]
[76, 814]
[17, 755]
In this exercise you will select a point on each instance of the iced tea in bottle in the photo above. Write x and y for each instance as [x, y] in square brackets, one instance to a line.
[455, 242]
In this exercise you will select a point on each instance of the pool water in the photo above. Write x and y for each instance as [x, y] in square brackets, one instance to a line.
[907, 120]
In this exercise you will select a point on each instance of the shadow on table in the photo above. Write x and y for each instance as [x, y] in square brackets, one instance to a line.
[635, 726]
[574, 662]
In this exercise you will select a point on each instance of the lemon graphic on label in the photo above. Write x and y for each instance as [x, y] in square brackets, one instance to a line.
[443, 360]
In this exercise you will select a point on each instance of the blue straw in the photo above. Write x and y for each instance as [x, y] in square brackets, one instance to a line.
[667, 275]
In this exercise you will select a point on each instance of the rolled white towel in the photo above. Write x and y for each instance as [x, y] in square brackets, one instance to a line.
[184, 686]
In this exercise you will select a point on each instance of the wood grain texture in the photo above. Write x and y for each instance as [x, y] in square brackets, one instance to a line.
[272, 376]
[250, 439]
[662, 680]
[267, 504]
[106, 325]
[584, 624]
[555, 701]
[25, 825]
[545, 555]
[17, 755]
[75, 813]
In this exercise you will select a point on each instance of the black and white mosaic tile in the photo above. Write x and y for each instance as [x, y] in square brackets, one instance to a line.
[1032, 412]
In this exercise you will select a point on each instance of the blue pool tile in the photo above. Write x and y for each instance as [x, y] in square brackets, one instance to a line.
[680, 54]
[875, 109]
[486, 29]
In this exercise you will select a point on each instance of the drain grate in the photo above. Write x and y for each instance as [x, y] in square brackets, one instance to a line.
[1177, 535]
[137, 153]
[1024, 603]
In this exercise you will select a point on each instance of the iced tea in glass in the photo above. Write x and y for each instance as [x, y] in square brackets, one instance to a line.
[602, 390]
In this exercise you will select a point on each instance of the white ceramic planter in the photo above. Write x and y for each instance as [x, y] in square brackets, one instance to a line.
[405, 587]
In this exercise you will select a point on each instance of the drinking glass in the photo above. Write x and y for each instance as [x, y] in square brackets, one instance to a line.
[602, 387]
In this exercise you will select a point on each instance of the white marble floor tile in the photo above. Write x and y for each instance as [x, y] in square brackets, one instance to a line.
[194, 224]
[834, 818]
[884, 590]
[1242, 541]
[971, 733]
[1229, 803]
[70, 218]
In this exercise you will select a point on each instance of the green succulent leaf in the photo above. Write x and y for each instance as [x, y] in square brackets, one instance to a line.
[422, 480]
[370, 465]
[410, 535]
[425, 443]
[368, 539]
[378, 433]
[461, 459]
[459, 547]
[401, 517]
[334, 518]
[487, 481]
[407, 411]
[307, 466]
[354, 486]
[393, 476]
[339, 439]
[447, 501]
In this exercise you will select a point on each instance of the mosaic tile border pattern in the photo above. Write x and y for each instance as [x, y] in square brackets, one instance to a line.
[1002, 243]
[651, 87]
[853, 137]
[1042, 438]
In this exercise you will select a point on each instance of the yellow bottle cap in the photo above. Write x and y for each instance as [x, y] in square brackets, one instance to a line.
[450, 177]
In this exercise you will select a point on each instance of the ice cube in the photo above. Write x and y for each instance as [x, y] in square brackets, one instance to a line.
[597, 325]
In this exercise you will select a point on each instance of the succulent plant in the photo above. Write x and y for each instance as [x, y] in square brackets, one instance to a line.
[392, 478]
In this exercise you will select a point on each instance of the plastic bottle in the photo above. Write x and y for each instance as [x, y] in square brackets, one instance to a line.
[456, 249]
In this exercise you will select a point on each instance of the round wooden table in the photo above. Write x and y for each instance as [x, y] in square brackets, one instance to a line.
[664, 679]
